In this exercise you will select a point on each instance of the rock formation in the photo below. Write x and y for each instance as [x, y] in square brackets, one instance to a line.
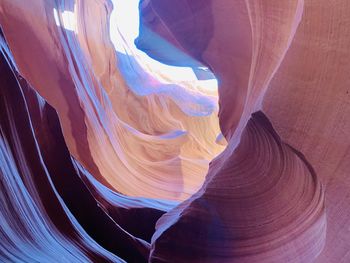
[107, 158]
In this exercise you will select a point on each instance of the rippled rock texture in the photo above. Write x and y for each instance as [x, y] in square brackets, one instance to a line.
[262, 203]
[106, 157]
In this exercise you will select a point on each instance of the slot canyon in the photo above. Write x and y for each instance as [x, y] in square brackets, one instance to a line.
[175, 131]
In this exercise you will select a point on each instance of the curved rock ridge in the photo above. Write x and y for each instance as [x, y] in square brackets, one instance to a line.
[244, 57]
[124, 210]
[99, 175]
[308, 94]
[53, 209]
[128, 129]
[36, 225]
[189, 33]
[264, 203]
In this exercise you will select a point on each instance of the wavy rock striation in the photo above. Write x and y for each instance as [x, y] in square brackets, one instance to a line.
[243, 58]
[36, 224]
[54, 210]
[103, 155]
[127, 128]
[263, 203]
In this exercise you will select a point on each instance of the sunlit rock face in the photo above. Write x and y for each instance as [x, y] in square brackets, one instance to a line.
[126, 126]
[174, 131]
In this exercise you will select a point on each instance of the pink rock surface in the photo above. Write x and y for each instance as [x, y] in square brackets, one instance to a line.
[306, 98]
[262, 203]
[105, 159]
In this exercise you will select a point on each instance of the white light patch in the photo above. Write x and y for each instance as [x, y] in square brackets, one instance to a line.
[57, 19]
[209, 84]
[68, 20]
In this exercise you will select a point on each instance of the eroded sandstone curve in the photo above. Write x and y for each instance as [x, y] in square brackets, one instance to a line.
[264, 203]
[97, 147]
[129, 141]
